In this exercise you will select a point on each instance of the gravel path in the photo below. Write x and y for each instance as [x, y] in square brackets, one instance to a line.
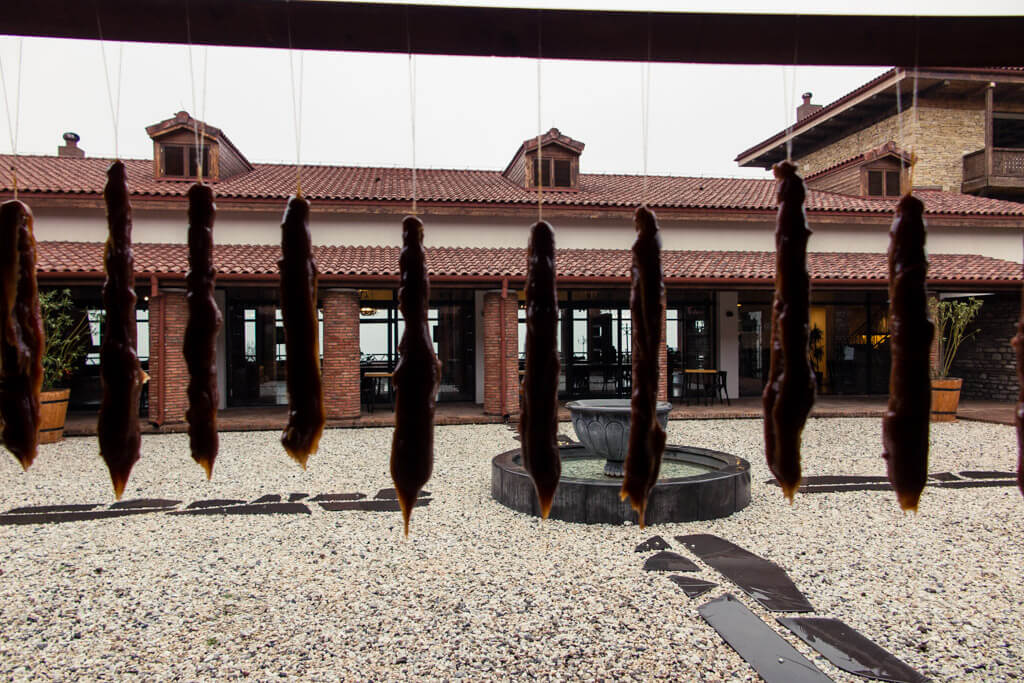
[481, 592]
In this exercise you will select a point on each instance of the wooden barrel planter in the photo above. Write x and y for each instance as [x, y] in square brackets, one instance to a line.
[53, 410]
[945, 398]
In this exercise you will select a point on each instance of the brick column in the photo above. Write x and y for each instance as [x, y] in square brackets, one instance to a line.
[341, 352]
[168, 314]
[497, 364]
[663, 363]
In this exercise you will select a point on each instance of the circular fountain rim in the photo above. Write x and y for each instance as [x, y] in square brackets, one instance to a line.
[730, 464]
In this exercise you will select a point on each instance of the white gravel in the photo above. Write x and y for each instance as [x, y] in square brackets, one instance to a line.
[479, 591]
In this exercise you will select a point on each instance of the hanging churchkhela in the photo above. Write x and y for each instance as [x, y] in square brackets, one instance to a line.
[538, 422]
[204, 320]
[301, 436]
[905, 425]
[21, 336]
[417, 375]
[647, 303]
[122, 377]
[1018, 346]
[789, 394]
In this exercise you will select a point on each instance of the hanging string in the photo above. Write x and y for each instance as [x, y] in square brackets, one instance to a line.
[917, 127]
[789, 89]
[540, 156]
[199, 126]
[113, 92]
[645, 109]
[412, 123]
[13, 123]
[296, 100]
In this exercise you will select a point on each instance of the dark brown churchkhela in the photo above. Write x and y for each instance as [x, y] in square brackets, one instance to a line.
[1018, 346]
[905, 425]
[647, 304]
[417, 375]
[204, 320]
[301, 335]
[789, 393]
[21, 337]
[122, 378]
[538, 421]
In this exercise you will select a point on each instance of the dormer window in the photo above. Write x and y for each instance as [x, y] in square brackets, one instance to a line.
[555, 173]
[883, 183]
[173, 158]
[558, 167]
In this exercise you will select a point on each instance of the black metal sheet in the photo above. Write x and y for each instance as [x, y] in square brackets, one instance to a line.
[988, 474]
[653, 543]
[846, 489]
[253, 509]
[691, 586]
[976, 483]
[60, 517]
[368, 505]
[145, 503]
[338, 496]
[269, 498]
[763, 580]
[292, 497]
[47, 509]
[667, 561]
[764, 649]
[213, 503]
[943, 476]
[391, 494]
[850, 650]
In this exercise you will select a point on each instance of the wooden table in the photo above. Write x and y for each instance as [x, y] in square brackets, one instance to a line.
[704, 379]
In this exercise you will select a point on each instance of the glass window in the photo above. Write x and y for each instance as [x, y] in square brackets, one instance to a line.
[892, 183]
[563, 173]
[174, 160]
[875, 183]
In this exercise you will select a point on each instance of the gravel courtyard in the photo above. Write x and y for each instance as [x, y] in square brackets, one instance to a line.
[478, 591]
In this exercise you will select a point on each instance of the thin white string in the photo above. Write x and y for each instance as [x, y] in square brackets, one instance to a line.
[917, 127]
[645, 109]
[297, 114]
[13, 124]
[412, 123]
[789, 90]
[200, 113]
[540, 156]
[113, 92]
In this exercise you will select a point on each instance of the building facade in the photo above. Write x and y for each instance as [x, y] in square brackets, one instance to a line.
[718, 261]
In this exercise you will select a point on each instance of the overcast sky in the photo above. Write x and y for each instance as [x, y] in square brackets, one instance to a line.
[470, 112]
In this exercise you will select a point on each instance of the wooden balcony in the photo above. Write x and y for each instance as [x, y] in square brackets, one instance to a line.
[994, 172]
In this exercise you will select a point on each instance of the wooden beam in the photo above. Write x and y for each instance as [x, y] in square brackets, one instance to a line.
[557, 34]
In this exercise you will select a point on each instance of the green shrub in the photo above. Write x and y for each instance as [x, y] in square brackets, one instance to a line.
[65, 337]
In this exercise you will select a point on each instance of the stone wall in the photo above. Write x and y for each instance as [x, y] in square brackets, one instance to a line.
[986, 362]
[940, 137]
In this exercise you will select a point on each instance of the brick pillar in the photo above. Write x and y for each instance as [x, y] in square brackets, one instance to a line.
[168, 314]
[341, 352]
[495, 363]
[663, 363]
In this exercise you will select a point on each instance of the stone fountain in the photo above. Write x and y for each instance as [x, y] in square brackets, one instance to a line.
[695, 483]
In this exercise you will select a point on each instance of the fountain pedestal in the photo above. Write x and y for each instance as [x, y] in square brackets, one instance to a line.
[602, 426]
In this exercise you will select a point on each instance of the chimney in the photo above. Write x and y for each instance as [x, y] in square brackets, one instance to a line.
[70, 148]
[806, 109]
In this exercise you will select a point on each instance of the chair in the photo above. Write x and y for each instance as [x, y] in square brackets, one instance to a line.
[368, 392]
[721, 386]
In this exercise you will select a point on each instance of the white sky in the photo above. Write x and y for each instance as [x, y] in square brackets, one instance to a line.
[470, 112]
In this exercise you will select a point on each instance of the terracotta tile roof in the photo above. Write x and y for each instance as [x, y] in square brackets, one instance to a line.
[354, 261]
[50, 175]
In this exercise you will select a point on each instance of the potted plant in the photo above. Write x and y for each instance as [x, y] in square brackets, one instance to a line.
[952, 318]
[65, 348]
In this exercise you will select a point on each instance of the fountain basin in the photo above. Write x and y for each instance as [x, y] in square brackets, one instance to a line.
[722, 489]
[602, 426]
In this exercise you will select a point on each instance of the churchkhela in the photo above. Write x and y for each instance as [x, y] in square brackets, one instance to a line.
[538, 421]
[417, 375]
[120, 372]
[905, 424]
[1018, 346]
[789, 393]
[204, 321]
[647, 304]
[21, 336]
[306, 417]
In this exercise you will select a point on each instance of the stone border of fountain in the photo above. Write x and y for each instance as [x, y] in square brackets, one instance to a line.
[718, 493]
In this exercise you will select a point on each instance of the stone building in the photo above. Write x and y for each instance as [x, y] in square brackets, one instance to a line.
[718, 262]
